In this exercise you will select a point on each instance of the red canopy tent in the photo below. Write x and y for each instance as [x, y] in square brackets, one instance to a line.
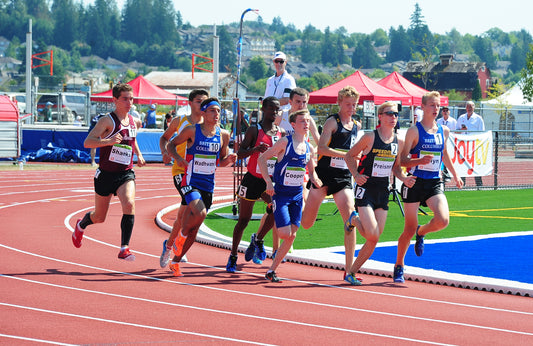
[9, 129]
[144, 92]
[367, 88]
[398, 83]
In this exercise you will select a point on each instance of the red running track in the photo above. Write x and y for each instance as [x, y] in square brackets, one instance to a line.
[54, 293]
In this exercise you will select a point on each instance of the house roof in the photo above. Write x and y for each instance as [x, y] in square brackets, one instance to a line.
[453, 67]
[183, 80]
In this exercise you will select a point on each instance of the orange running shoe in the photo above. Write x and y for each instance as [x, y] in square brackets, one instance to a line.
[175, 267]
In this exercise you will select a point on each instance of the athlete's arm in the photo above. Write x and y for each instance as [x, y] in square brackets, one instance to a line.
[277, 150]
[227, 158]
[330, 127]
[187, 135]
[363, 145]
[167, 135]
[96, 138]
[247, 147]
[397, 170]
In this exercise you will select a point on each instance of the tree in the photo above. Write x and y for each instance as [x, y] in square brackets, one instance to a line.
[399, 48]
[322, 79]
[364, 55]
[179, 20]
[453, 95]
[310, 53]
[163, 24]
[66, 23]
[502, 106]
[136, 22]
[103, 23]
[257, 68]
[379, 37]
[327, 48]
[518, 58]
[527, 76]
[483, 49]
[476, 93]
[228, 50]
[307, 83]
[421, 37]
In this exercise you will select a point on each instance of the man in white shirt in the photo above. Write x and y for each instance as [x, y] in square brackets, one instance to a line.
[446, 119]
[472, 122]
[280, 84]
[418, 115]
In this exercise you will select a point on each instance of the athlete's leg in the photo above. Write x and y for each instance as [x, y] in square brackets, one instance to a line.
[441, 215]
[310, 211]
[409, 229]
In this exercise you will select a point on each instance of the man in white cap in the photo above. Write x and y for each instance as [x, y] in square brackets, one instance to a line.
[150, 119]
[47, 112]
[280, 84]
[133, 112]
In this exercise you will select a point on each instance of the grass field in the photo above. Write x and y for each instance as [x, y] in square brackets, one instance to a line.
[472, 213]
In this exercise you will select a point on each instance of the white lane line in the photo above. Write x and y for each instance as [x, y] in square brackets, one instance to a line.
[66, 222]
[42, 341]
[129, 324]
[280, 298]
[311, 325]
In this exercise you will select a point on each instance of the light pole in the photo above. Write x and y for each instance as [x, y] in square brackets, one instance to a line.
[237, 118]
[239, 51]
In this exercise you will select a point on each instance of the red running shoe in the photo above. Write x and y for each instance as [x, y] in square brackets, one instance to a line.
[77, 235]
[126, 255]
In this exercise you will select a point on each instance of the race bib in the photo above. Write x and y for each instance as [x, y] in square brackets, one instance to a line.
[434, 165]
[121, 153]
[294, 176]
[271, 164]
[359, 192]
[204, 164]
[339, 162]
[382, 166]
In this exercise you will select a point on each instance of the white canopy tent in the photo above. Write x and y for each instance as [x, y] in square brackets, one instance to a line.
[512, 97]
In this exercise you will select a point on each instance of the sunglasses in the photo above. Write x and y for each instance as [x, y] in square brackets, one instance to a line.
[279, 61]
[445, 110]
[391, 113]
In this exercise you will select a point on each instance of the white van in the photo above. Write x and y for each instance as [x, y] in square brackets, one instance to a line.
[73, 105]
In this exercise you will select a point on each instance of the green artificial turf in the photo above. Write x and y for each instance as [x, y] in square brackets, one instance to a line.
[471, 213]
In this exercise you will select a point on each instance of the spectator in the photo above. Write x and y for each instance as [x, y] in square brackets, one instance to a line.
[281, 83]
[47, 112]
[150, 119]
[133, 111]
[168, 119]
[418, 115]
[472, 122]
[78, 121]
[446, 119]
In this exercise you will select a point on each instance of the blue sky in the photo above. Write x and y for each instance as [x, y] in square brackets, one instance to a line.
[467, 16]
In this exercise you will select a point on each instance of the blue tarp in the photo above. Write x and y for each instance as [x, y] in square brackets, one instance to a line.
[55, 154]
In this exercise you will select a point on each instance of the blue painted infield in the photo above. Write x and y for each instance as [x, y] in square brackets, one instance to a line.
[508, 258]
